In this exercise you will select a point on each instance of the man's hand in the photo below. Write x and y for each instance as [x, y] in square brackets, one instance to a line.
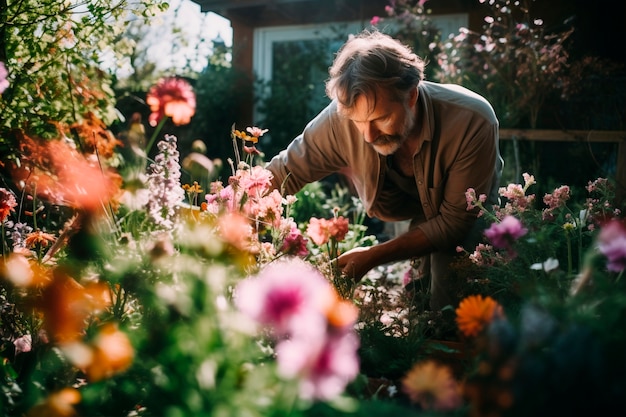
[355, 263]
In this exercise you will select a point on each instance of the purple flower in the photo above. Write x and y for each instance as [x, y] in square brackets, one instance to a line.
[503, 234]
[612, 244]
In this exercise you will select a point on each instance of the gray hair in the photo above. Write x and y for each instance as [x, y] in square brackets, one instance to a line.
[370, 62]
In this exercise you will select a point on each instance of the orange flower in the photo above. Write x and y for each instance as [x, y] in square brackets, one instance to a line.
[58, 404]
[96, 136]
[475, 312]
[112, 353]
[60, 174]
[235, 229]
[341, 313]
[172, 97]
[22, 271]
[38, 239]
[432, 386]
[66, 306]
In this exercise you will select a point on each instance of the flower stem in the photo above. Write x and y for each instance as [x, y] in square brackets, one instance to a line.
[156, 132]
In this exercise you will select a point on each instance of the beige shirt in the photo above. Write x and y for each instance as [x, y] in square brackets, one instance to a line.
[457, 149]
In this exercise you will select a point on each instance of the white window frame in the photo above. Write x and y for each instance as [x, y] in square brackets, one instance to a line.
[264, 37]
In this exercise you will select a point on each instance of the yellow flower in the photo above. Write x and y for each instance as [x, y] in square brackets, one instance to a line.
[194, 188]
[432, 386]
[474, 312]
[244, 136]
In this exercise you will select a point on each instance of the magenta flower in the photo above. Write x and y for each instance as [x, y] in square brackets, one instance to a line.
[503, 234]
[282, 293]
[295, 243]
[612, 244]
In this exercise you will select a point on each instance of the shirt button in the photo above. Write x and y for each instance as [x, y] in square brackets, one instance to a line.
[420, 182]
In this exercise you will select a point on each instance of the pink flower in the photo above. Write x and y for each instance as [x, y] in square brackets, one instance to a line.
[325, 363]
[23, 344]
[558, 197]
[282, 292]
[321, 230]
[472, 200]
[503, 234]
[172, 97]
[375, 20]
[256, 181]
[257, 132]
[612, 244]
[4, 83]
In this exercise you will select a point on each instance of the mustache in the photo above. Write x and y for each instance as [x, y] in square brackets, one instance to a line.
[386, 139]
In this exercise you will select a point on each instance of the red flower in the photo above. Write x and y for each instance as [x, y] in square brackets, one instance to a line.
[7, 204]
[171, 97]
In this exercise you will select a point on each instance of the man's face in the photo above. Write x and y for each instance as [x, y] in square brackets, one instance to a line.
[384, 123]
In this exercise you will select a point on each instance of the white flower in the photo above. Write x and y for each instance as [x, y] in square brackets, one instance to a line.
[548, 265]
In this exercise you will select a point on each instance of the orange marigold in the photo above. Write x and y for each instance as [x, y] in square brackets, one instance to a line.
[432, 386]
[475, 312]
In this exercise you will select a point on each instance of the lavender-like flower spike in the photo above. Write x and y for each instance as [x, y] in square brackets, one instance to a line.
[166, 192]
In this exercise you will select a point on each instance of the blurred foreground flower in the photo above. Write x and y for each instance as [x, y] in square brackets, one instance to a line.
[58, 173]
[300, 306]
[4, 83]
[432, 386]
[58, 404]
[7, 204]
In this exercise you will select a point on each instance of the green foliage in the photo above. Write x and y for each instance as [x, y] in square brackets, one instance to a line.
[220, 91]
[54, 52]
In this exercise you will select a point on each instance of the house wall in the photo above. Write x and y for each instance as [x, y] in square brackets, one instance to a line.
[599, 26]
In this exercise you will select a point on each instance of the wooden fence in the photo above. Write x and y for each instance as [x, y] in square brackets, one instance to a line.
[581, 136]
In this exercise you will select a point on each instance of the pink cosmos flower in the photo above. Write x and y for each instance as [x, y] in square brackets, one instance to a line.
[612, 244]
[503, 234]
[282, 292]
[172, 97]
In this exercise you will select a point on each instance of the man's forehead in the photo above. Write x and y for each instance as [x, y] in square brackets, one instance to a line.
[365, 108]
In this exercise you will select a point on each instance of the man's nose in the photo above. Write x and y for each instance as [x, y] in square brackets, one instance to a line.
[370, 133]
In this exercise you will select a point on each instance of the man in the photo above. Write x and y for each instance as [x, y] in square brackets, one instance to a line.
[411, 148]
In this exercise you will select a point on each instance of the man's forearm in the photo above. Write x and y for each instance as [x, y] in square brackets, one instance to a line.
[413, 243]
